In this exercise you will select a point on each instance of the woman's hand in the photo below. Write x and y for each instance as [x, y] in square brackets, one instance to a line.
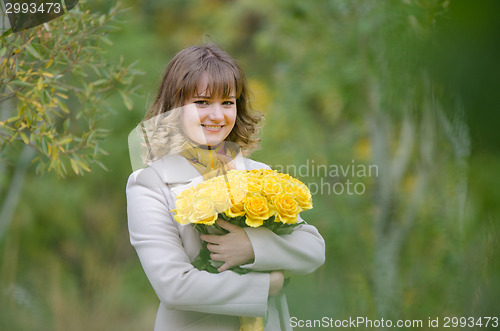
[276, 282]
[233, 248]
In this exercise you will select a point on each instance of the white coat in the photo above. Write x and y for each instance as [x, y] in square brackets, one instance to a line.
[197, 300]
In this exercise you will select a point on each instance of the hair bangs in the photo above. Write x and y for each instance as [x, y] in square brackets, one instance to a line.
[214, 78]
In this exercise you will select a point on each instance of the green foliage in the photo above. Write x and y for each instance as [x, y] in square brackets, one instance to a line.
[55, 83]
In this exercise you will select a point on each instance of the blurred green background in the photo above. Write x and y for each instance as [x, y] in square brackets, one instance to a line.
[407, 86]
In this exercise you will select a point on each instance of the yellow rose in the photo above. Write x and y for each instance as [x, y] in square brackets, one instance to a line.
[216, 181]
[257, 210]
[202, 185]
[238, 183]
[220, 199]
[184, 208]
[287, 208]
[184, 205]
[237, 203]
[203, 212]
[236, 179]
[271, 186]
[179, 218]
[182, 219]
[286, 187]
[261, 172]
[303, 196]
[186, 193]
[255, 172]
[204, 193]
[285, 177]
[254, 184]
[295, 181]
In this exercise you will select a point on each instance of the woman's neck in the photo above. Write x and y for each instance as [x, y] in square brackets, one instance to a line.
[193, 143]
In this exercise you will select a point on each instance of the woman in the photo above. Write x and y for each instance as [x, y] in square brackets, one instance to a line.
[199, 126]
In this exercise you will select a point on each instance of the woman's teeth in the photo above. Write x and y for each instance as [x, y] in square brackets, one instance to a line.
[212, 127]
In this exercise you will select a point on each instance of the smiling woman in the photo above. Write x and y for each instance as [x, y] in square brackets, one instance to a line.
[202, 86]
[199, 127]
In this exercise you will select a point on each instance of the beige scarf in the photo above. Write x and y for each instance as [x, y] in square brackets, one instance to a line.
[211, 161]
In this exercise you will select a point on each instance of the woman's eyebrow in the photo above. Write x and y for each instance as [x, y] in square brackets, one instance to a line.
[209, 97]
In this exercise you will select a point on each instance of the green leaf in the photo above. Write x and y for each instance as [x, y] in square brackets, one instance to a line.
[66, 140]
[127, 101]
[100, 82]
[100, 164]
[83, 165]
[24, 137]
[33, 51]
[40, 167]
[39, 85]
[53, 164]
[6, 33]
[44, 147]
[21, 83]
[74, 166]
[240, 270]
[63, 107]
[66, 124]
[106, 40]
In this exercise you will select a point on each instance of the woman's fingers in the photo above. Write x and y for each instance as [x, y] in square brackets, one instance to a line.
[214, 248]
[215, 238]
[233, 248]
[228, 226]
[276, 281]
[211, 238]
[224, 267]
[216, 257]
[220, 258]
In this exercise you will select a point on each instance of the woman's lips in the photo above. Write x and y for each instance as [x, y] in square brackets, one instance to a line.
[213, 128]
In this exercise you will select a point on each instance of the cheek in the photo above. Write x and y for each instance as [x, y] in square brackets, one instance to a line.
[190, 116]
[231, 117]
[185, 120]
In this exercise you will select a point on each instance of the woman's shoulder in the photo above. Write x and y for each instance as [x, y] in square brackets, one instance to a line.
[144, 177]
[172, 168]
[252, 164]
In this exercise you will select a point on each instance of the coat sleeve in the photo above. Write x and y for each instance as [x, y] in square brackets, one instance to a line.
[176, 282]
[301, 252]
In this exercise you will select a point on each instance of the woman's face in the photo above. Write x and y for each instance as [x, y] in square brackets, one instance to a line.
[208, 120]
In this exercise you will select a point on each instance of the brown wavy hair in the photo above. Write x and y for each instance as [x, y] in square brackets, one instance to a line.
[181, 81]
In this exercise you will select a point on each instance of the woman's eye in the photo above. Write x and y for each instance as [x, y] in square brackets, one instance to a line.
[228, 103]
[201, 102]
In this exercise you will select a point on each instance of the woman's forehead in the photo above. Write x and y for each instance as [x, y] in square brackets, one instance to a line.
[212, 87]
[206, 92]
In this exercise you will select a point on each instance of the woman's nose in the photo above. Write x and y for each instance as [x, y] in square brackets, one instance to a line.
[216, 113]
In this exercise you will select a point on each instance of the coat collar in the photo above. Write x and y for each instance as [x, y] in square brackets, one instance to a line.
[175, 169]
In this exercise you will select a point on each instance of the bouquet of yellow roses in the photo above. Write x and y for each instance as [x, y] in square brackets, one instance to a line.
[252, 198]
